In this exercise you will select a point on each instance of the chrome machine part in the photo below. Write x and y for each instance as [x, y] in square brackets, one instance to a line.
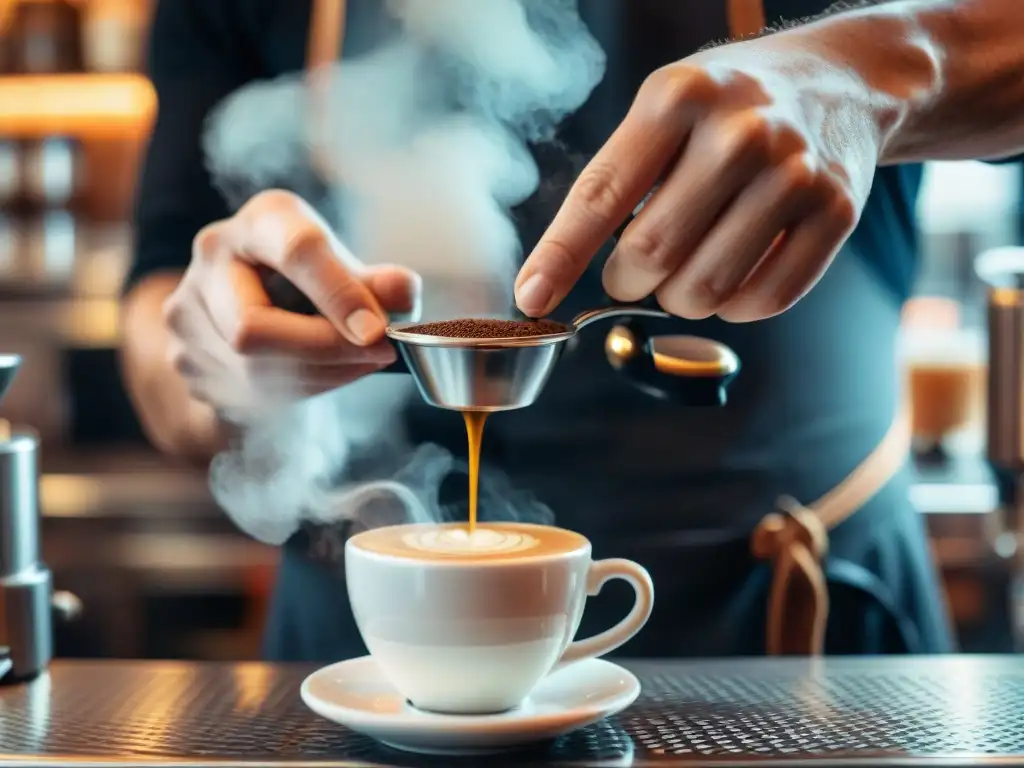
[26, 591]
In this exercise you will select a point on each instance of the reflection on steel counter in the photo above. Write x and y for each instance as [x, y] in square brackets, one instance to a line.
[879, 712]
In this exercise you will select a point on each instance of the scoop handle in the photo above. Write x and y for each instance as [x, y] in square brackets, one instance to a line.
[285, 295]
[688, 370]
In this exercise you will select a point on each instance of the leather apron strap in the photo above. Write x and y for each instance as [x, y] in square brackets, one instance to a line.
[746, 18]
[795, 541]
[324, 44]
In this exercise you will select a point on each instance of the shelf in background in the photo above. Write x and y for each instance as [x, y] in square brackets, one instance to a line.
[78, 105]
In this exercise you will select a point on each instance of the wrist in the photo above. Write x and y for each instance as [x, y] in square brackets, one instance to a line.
[880, 59]
[175, 423]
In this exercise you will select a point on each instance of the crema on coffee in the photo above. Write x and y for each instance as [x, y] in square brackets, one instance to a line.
[490, 541]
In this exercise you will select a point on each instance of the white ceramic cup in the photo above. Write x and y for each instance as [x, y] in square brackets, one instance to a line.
[474, 635]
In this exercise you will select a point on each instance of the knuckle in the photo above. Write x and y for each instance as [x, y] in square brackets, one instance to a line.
[671, 90]
[707, 295]
[697, 301]
[206, 245]
[787, 139]
[598, 191]
[302, 246]
[749, 135]
[178, 358]
[242, 335]
[842, 210]
[649, 251]
[798, 175]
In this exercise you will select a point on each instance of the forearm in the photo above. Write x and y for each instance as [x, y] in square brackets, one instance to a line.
[174, 422]
[945, 77]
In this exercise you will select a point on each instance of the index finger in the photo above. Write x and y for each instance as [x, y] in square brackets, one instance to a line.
[288, 236]
[612, 185]
[236, 302]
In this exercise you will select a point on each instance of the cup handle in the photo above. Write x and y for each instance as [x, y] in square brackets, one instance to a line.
[607, 641]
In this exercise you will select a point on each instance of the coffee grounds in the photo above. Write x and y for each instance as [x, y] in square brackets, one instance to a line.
[480, 328]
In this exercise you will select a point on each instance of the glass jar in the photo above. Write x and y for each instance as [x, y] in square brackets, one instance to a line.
[113, 35]
[46, 37]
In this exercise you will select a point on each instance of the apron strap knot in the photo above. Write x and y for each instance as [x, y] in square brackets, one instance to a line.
[795, 541]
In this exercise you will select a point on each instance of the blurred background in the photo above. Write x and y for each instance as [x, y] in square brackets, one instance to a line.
[159, 570]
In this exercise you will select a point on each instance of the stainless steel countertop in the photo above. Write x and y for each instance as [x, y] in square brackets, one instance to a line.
[879, 712]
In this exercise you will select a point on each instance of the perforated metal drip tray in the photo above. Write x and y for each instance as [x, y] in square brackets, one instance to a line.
[900, 711]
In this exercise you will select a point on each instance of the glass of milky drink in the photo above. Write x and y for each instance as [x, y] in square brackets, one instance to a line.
[945, 369]
[469, 623]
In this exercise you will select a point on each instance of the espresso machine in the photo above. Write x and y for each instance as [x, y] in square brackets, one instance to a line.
[28, 603]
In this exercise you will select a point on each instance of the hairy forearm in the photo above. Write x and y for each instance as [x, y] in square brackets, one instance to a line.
[945, 77]
[174, 422]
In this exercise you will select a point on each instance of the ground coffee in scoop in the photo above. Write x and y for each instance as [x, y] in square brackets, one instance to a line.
[480, 328]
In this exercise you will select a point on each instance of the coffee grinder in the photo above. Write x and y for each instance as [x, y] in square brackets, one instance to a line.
[27, 601]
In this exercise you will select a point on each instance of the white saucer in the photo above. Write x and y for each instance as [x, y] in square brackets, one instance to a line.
[355, 694]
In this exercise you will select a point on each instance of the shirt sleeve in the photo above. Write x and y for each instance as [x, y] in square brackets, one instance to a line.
[197, 56]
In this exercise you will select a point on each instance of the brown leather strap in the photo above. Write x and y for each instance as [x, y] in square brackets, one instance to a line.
[795, 541]
[746, 17]
[326, 39]
[326, 33]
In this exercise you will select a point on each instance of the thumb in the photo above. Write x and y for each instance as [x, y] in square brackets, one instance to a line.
[396, 288]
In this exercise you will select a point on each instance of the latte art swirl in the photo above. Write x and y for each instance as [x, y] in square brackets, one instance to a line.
[456, 541]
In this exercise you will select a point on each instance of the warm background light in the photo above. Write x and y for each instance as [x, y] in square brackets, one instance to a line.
[78, 105]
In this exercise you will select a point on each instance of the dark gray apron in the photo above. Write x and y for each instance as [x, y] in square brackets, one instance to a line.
[681, 490]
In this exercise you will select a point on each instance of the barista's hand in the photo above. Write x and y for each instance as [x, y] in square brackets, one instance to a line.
[765, 153]
[241, 354]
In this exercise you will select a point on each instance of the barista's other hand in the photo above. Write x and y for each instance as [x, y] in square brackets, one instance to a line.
[239, 353]
[765, 155]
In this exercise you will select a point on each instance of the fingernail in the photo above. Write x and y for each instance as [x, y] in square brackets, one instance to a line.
[365, 325]
[534, 295]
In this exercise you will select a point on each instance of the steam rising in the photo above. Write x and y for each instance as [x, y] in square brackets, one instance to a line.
[426, 139]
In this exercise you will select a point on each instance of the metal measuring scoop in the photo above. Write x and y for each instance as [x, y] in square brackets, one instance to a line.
[502, 374]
